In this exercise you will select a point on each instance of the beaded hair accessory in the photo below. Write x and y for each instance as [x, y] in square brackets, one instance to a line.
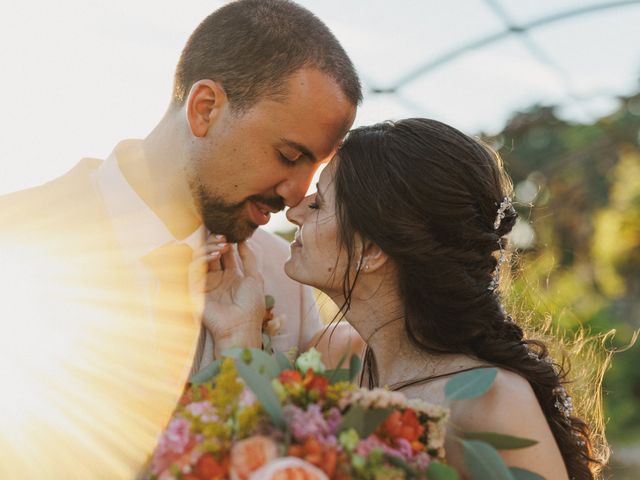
[563, 401]
[502, 209]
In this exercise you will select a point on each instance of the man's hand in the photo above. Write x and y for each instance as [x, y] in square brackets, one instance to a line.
[234, 302]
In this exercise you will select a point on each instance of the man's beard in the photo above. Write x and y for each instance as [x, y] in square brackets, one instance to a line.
[228, 219]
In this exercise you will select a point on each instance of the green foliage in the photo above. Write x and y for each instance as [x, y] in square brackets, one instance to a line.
[440, 471]
[363, 421]
[582, 270]
[261, 387]
[470, 384]
[483, 461]
[499, 441]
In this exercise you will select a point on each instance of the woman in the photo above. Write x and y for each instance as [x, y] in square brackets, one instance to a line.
[406, 232]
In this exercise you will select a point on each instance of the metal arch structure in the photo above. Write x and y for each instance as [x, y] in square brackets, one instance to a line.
[511, 29]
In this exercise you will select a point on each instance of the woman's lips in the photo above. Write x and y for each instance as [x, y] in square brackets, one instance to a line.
[297, 241]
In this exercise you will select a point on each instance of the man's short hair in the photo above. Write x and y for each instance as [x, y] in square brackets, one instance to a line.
[251, 47]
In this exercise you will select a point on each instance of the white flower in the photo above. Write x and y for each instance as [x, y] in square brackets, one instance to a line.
[310, 359]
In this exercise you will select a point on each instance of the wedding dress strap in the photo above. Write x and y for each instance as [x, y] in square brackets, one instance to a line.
[409, 383]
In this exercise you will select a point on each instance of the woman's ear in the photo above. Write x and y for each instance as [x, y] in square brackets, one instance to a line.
[204, 104]
[373, 258]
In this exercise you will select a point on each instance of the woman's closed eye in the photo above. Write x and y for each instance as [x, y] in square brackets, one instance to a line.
[314, 204]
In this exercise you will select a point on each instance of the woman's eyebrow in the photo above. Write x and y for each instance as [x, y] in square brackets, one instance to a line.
[318, 192]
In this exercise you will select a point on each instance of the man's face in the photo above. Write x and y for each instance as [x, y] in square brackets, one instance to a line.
[255, 162]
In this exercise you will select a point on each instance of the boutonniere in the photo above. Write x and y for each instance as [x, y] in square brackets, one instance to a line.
[271, 324]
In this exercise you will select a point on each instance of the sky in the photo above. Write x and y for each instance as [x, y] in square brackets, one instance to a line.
[79, 76]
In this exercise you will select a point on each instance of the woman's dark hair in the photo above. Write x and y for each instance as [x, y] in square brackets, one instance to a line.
[252, 46]
[428, 196]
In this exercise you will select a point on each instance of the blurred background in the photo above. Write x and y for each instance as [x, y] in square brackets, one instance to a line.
[553, 85]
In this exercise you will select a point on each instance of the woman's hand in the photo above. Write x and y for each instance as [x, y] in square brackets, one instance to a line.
[234, 302]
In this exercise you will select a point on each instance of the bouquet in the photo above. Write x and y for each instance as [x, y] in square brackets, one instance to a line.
[256, 416]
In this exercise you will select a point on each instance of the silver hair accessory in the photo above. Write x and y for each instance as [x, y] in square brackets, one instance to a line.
[504, 206]
[564, 402]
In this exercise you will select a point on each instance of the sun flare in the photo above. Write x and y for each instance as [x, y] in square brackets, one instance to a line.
[87, 382]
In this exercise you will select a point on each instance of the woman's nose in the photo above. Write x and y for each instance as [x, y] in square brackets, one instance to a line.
[294, 214]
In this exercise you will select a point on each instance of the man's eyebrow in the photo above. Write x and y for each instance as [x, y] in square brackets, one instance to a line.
[301, 148]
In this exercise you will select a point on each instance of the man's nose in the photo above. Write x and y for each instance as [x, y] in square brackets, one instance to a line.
[294, 188]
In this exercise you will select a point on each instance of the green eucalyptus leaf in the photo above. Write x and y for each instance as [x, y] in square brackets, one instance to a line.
[269, 302]
[440, 471]
[260, 361]
[470, 384]
[499, 441]
[261, 387]
[283, 361]
[354, 367]
[206, 374]
[266, 342]
[522, 474]
[398, 462]
[363, 420]
[337, 375]
[483, 461]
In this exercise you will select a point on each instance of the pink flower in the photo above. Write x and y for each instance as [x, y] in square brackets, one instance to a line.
[247, 398]
[204, 410]
[174, 443]
[288, 468]
[312, 423]
[402, 448]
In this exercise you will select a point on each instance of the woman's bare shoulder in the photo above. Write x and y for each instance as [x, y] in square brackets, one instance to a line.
[511, 407]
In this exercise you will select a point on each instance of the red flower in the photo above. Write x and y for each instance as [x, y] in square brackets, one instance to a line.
[316, 382]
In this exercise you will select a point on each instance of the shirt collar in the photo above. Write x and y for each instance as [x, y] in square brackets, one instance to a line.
[138, 229]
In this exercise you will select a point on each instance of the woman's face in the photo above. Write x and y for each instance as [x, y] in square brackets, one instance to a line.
[317, 258]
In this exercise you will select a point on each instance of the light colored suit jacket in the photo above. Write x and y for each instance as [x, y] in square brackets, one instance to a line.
[89, 381]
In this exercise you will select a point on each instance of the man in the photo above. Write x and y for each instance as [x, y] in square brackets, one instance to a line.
[95, 262]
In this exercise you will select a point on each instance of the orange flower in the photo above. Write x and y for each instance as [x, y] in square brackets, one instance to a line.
[209, 468]
[290, 377]
[250, 454]
[317, 454]
[289, 468]
[403, 424]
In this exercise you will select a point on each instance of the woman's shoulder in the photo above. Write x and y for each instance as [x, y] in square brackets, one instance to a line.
[510, 407]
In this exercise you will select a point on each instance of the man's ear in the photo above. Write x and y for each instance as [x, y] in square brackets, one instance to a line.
[373, 259]
[204, 104]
